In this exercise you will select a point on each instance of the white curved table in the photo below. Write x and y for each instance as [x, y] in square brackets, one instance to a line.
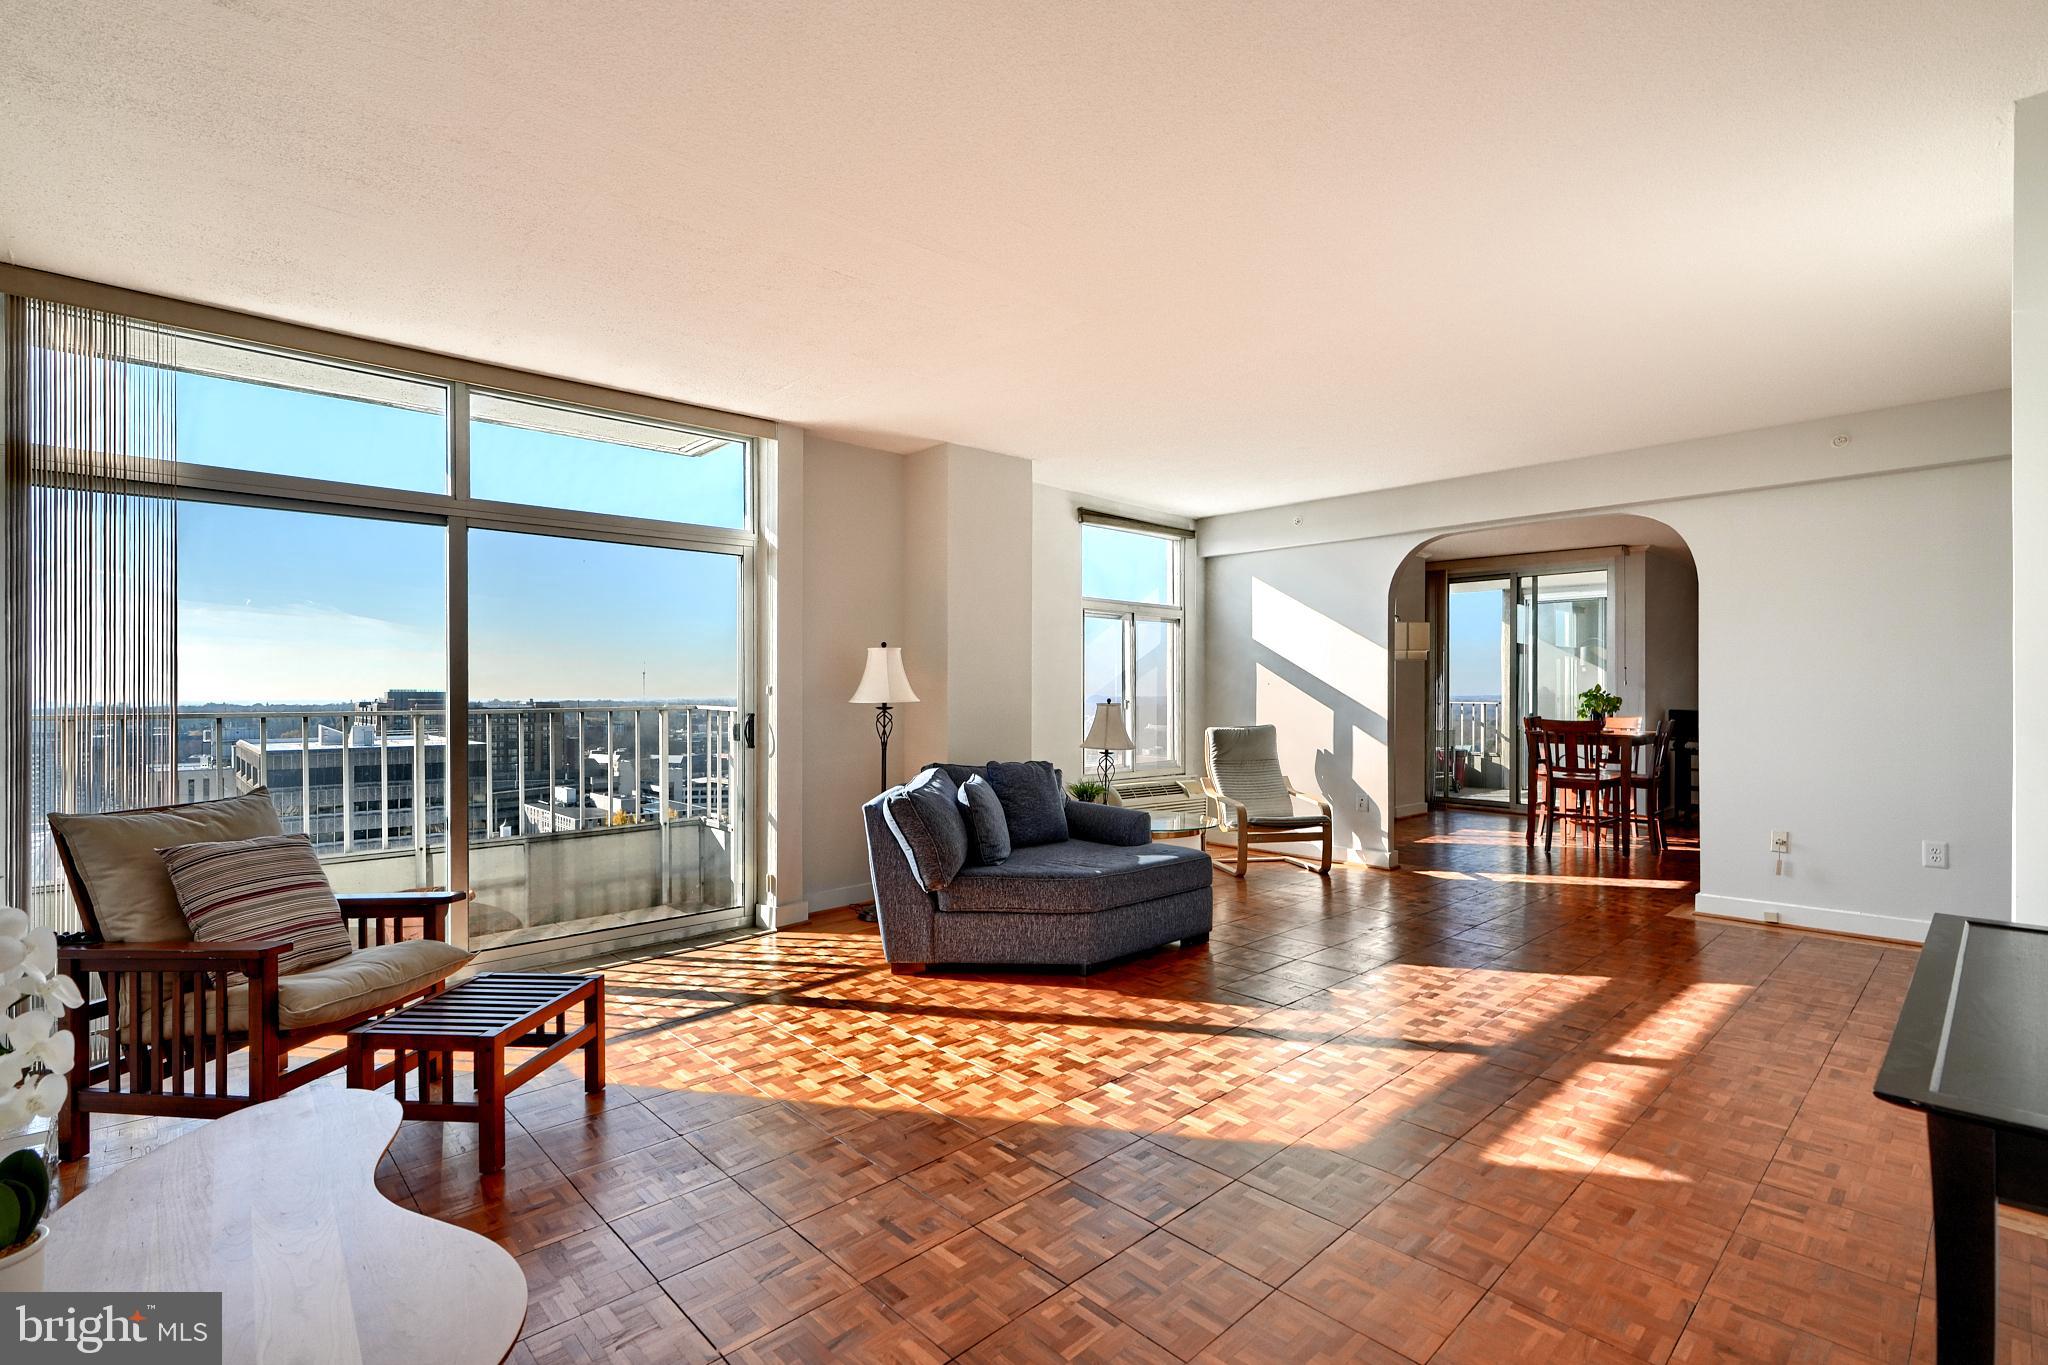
[276, 1206]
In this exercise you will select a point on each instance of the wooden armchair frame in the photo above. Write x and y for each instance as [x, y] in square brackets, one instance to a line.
[1250, 831]
[163, 1010]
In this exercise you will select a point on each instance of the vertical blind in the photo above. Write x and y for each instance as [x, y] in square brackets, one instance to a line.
[91, 580]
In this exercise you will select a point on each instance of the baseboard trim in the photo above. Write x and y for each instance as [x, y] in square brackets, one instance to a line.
[1408, 808]
[774, 914]
[1859, 923]
[858, 893]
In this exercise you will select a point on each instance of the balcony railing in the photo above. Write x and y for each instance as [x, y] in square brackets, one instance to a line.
[1473, 753]
[1476, 726]
[579, 817]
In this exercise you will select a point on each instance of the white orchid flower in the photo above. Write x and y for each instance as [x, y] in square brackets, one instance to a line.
[57, 1052]
[63, 992]
[42, 950]
[46, 1096]
[36, 1053]
[29, 1028]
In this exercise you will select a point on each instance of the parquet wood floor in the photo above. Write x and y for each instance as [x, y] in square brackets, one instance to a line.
[1495, 1106]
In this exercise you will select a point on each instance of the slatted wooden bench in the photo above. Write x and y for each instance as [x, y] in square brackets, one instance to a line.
[484, 1016]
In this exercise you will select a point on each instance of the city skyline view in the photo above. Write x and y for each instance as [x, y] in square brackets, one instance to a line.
[282, 607]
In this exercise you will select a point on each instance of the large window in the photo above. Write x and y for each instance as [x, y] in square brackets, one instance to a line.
[1132, 626]
[460, 637]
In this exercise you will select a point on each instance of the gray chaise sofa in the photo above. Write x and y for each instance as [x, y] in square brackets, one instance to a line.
[1104, 892]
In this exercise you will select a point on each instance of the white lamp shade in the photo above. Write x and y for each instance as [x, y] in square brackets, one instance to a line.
[884, 683]
[1107, 730]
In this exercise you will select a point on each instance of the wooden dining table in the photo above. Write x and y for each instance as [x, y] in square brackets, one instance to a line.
[1621, 744]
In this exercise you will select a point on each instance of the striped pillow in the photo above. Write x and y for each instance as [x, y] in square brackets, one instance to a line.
[270, 887]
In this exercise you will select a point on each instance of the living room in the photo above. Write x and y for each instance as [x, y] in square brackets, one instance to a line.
[953, 540]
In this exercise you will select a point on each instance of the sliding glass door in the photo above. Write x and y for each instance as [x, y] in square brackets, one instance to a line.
[1563, 635]
[1474, 755]
[1514, 644]
[606, 779]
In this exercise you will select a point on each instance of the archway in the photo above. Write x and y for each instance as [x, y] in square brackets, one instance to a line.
[1522, 617]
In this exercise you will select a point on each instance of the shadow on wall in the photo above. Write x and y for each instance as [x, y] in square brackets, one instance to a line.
[1324, 686]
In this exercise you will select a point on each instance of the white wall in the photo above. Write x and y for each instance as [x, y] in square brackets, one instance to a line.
[967, 595]
[1298, 638]
[1410, 792]
[1853, 635]
[1056, 683]
[853, 598]
[1671, 633]
[2029, 502]
[777, 766]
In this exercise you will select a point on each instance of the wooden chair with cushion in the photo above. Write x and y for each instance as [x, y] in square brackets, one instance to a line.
[1254, 800]
[170, 1010]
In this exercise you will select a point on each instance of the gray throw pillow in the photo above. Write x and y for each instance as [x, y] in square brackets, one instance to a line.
[988, 829]
[925, 813]
[1033, 804]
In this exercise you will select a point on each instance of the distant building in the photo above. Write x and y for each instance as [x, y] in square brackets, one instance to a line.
[360, 791]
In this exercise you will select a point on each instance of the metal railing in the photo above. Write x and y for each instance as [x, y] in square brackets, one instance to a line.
[1475, 726]
[370, 784]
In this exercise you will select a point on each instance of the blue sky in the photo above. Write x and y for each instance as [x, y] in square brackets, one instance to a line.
[1126, 565]
[281, 606]
[1474, 643]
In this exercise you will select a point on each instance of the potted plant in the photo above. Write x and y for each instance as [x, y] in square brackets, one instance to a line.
[35, 1067]
[1087, 791]
[1597, 703]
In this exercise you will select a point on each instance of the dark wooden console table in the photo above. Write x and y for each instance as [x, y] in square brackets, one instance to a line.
[1971, 1051]
[484, 1016]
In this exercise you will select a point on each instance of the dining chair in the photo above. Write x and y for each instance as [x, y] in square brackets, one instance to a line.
[1647, 767]
[1533, 728]
[1578, 763]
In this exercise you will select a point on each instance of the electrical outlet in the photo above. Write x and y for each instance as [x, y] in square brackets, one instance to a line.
[1362, 804]
[1934, 853]
[1781, 841]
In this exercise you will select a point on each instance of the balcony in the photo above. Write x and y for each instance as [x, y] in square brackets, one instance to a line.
[580, 818]
[1475, 757]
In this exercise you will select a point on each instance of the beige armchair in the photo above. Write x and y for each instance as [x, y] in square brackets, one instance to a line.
[1255, 801]
[169, 1011]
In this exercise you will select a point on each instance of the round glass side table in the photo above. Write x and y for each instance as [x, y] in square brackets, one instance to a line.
[1180, 824]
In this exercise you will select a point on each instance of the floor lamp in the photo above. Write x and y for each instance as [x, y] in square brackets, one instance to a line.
[883, 686]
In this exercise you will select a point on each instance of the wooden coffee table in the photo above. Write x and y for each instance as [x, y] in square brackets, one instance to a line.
[484, 1016]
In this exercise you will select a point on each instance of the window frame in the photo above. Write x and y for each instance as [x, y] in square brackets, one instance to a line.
[457, 512]
[1129, 614]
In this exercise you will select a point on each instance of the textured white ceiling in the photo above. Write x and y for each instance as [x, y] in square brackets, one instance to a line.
[1195, 255]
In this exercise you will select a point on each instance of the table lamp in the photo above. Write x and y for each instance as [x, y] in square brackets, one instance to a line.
[1106, 732]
